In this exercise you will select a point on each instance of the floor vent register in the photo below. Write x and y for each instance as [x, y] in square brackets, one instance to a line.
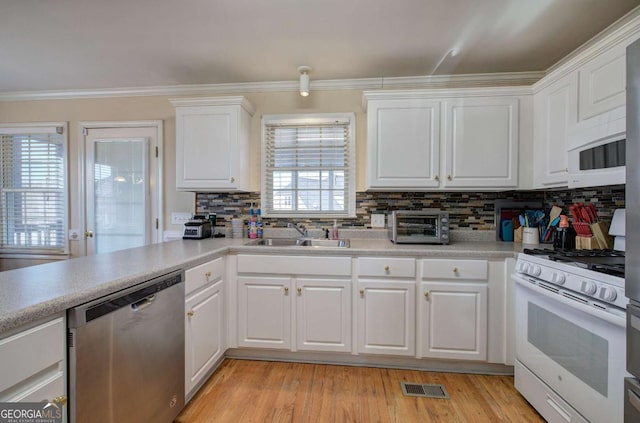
[424, 390]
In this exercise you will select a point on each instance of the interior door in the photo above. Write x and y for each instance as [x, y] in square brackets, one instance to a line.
[118, 187]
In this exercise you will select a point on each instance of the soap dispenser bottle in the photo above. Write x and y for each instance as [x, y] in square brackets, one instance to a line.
[334, 232]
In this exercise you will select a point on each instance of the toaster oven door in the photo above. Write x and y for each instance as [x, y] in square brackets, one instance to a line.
[417, 228]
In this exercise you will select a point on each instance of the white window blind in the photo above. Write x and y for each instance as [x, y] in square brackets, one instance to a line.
[33, 192]
[308, 168]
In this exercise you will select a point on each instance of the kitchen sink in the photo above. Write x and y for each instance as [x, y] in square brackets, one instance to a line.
[301, 242]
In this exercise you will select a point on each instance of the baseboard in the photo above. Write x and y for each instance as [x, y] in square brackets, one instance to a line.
[346, 359]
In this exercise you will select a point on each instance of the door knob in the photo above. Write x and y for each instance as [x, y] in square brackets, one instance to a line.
[387, 269]
[449, 177]
[437, 178]
[88, 234]
[208, 275]
[426, 294]
[362, 292]
[190, 313]
[299, 290]
[286, 290]
[232, 179]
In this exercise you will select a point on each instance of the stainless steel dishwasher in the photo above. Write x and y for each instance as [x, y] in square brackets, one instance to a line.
[126, 354]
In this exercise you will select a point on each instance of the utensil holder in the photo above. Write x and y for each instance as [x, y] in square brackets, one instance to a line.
[531, 236]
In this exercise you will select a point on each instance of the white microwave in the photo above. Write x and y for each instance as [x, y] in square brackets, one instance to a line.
[597, 150]
[598, 163]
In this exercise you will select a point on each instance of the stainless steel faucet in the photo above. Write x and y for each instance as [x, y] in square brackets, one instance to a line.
[300, 228]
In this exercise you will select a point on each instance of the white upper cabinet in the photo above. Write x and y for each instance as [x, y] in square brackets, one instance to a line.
[602, 83]
[212, 143]
[555, 114]
[403, 143]
[481, 142]
[442, 139]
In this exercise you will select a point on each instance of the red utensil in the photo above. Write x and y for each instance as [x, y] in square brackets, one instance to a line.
[575, 213]
[593, 212]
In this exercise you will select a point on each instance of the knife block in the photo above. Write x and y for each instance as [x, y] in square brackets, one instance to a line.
[587, 243]
[600, 231]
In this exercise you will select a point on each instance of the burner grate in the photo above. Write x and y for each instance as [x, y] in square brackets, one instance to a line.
[610, 262]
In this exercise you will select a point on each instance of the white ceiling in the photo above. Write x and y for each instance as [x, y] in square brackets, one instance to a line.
[82, 44]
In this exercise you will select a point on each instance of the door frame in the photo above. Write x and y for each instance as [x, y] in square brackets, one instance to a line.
[156, 203]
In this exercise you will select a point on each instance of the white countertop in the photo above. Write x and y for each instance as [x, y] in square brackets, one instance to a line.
[32, 293]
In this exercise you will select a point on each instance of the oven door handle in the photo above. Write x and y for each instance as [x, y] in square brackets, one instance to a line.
[620, 321]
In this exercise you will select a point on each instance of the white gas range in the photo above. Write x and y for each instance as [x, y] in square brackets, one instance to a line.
[570, 333]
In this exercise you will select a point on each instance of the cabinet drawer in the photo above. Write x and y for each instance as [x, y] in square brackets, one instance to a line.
[47, 389]
[455, 269]
[27, 353]
[381, 266]
[296, 265]
[199, 276]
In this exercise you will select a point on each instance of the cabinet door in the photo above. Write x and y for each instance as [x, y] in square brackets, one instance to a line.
[481, 142]
[323, 315]
[206, 147]
[204, 333]
[454, 320]
[386, 317]
[264, 312]
[403, 138]
[602, 83]
[555, 113]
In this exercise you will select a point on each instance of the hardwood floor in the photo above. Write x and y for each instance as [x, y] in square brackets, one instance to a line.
[243, 391]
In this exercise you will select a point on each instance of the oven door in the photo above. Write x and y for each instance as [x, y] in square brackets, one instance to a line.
[574, 348]
[633, 339]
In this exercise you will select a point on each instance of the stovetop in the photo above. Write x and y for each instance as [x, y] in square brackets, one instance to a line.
[609, 262]
[596, 275]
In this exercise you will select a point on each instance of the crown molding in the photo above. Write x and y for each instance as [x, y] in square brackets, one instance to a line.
[214, 101]
[624, 30]
[437, 81]
[443, 93]
[497, 79]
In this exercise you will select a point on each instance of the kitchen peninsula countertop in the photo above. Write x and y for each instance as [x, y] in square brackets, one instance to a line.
[32, 293]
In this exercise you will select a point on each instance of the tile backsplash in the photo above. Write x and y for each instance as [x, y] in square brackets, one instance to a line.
[468, 210]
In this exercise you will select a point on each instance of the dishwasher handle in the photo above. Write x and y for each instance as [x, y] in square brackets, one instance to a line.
[138, 297]
[143, 303]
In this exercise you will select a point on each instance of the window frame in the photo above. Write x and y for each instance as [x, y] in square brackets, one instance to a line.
[350, 180]
[43, 128]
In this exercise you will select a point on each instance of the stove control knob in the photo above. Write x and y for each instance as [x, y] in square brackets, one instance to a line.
[558, 278]
[588, 287]
[608, 294]
[535, 270]
[522, 267]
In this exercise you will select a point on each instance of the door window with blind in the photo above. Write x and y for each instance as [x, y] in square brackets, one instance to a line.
[308, 165]
[33, 209]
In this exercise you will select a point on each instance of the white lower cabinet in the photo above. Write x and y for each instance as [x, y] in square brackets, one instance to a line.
[323, 315]
[386, 317]
[294, 303]
[33, 365]
[386, 305]
[454, 320]
[454, 309]
[205, 322]
[264, 312]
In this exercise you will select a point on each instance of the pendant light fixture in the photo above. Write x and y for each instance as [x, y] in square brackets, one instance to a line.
[304, 80]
